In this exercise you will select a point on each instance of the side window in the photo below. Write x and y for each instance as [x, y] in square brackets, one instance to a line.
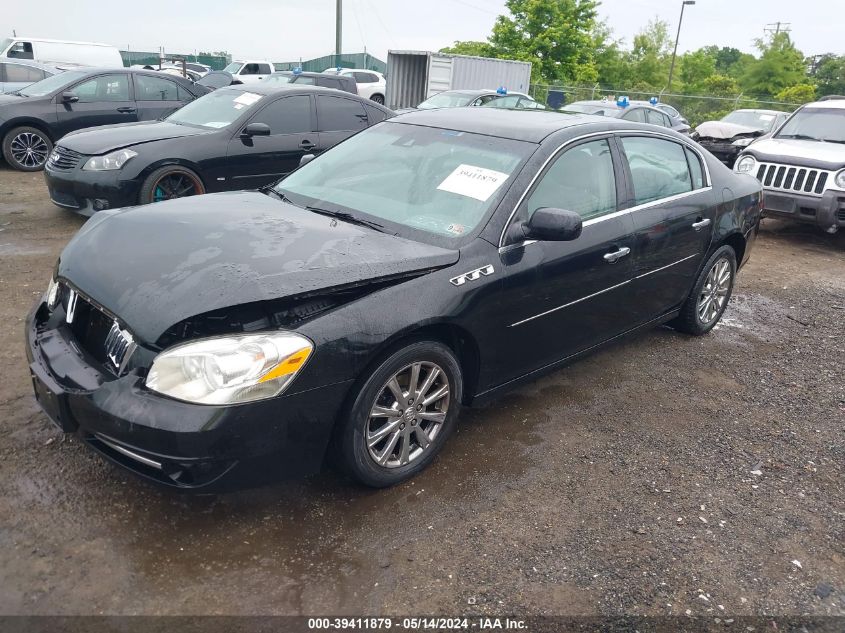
[302, 79]
[656, 118]
[17, 72]
[329, 82]
[289, 115]
[250, 69]
[184, 94]
[336, 114]
[103, 88]
[667, 121]
[21, 50]
[659, 168]
[637, 115]
[581, 180]
[264, 69]
[374, 114]
[155, 89]
[695, 169]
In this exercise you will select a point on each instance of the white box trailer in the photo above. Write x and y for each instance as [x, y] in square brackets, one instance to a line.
[60, 52]
[414, 76]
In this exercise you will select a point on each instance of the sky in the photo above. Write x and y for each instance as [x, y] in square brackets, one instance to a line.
[286, 30]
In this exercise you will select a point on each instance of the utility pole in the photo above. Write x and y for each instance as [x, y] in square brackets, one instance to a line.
[776, 28]
[338, 31]
[684, 3]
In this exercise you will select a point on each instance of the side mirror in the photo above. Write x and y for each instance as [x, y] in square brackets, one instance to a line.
[306, 158]
[256, 129]
[69, 97]
[553, 225]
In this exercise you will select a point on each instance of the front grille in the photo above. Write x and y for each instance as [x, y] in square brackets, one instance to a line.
[95, 332]
[793, 179]
[63, 158]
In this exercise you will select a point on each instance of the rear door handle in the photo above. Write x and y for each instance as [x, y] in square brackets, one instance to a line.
[612, 258]
[126, 110]
[307, 145]
[701, 224]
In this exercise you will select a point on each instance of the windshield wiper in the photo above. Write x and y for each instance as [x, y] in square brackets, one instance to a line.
[346, 217]
[834, 140]
[278, 194]
[801, 137]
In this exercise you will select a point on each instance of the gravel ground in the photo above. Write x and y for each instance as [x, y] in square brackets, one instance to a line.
[665, 475]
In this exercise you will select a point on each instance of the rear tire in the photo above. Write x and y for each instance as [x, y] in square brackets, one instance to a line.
[169, 183]
[379, 99]
[26, 148]
[710, 295]
[402, 416]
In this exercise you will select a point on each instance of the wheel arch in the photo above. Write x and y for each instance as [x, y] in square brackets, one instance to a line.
[38, 124]
[736, 240]
[173, 162]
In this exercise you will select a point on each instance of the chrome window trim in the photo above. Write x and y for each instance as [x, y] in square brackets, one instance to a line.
[600, 292]
[614, 134]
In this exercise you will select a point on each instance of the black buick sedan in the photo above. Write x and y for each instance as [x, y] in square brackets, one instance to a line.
[240, 137]
[34, 118]
[346, 314]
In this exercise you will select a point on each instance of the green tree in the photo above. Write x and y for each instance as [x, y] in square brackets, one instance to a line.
[800, 93]
[721, 86]
[556, 36]
[611, 62]
[479, 49]
[780, 66]
[830, 75]
[651, 55]
[695, 69]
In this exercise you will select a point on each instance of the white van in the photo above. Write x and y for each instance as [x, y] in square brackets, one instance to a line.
[61, 53]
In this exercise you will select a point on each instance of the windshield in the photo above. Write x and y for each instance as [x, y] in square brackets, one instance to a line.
[822, 124]
[216, 109]
[757, 120]
[447, 100]
[233, 68]
[51, 84]
[435, 181]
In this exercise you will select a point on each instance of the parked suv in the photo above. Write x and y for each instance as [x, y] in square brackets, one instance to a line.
[371, 84]
[802, 166]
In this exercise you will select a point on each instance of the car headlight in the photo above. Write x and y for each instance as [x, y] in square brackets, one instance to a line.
[840, 179]
[52, 293]
[230, 369]
[745, 165]
[743, 142]
[114, 160]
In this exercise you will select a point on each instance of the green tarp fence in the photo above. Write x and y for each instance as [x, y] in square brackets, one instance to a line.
[352, 60]
[131, 58]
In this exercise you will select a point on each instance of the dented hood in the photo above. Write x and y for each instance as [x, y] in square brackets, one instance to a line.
[725, 130]
[107, 138]
[157, 265]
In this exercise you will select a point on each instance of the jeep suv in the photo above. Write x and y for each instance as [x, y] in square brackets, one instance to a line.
[802, 166]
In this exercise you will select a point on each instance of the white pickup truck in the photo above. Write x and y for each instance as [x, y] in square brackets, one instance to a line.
[249, 71]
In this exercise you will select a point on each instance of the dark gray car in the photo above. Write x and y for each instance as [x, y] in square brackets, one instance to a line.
[636, 111]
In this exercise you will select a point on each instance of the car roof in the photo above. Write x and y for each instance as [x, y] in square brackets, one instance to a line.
[526, 125]
[270, 88]
[32, 64]
[838, 104]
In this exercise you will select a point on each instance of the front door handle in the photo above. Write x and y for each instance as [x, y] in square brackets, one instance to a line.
[612, 258]
[126, 110]
[701, 224]
[307, 145]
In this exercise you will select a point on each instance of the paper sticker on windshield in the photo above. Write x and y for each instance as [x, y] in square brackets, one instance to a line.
[247, 98]
[766, 117]
[473, 182]
[216, 124]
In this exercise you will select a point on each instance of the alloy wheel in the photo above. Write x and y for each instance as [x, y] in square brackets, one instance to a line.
[29, 150]
[715, 291]
[175, 185]
[407, 414]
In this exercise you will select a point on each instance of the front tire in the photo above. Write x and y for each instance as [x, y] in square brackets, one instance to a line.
[710, 295]
[169, 183]
[402, 416]
[26, 148]
[379, 99]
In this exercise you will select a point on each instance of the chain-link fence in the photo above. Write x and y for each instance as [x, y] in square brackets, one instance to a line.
[696, 108]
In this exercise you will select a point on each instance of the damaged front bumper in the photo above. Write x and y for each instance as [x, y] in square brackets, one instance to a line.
[177, 444]
[827, 212]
